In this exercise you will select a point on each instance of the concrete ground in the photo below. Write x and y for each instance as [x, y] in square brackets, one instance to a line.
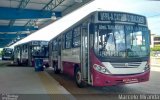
[155, 61]
[25, 83]
[150, 87]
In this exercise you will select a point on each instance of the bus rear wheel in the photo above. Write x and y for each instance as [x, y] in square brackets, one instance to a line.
[78, 78]
[56, 70]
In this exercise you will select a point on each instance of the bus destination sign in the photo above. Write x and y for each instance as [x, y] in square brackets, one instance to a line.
[121, 17]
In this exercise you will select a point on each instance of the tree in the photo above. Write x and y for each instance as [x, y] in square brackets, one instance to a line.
[156, 48]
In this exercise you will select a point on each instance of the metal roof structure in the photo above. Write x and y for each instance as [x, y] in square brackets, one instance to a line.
[19, 18]
[60, 25]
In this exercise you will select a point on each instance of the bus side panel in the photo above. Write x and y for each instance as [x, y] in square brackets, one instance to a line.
[54, 58]
[17, 52]
[68, 68]
[70, 60]
[25, 57]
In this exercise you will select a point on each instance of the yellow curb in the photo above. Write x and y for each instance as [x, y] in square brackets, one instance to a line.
[53, 88]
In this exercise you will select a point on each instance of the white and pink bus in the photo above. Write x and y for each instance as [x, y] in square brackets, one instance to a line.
[25, 53]
[103, 49]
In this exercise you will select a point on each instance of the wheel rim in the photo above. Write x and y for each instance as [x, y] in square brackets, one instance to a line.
[78, 77]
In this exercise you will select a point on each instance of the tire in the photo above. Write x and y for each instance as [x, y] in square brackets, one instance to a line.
[78, 78]
[56, 70]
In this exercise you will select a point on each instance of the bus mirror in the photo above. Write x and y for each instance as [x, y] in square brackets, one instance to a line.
[149, 36]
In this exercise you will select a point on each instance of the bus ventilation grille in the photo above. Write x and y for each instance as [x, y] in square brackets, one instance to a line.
[126, 65]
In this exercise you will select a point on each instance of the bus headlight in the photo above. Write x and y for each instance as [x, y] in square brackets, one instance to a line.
[101, 69]
[147, 67]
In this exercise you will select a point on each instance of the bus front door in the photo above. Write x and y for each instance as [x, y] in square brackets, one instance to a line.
[85, 69]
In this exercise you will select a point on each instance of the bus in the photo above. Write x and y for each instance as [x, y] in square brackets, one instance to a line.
[7, 54]
[104, 48]
[25, 53]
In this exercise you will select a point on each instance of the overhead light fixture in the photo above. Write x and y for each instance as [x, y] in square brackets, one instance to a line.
[53, 16]
[28, 31]
[36, 26]
[18, 37]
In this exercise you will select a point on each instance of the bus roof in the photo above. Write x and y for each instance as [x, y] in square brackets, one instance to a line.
[59, 26]
[31, 41]
[50, 31]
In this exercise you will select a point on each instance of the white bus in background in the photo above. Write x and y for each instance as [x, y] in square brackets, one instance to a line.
[25, 53]
[7, 53]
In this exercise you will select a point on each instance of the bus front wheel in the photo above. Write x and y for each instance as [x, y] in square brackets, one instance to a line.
[78, 78]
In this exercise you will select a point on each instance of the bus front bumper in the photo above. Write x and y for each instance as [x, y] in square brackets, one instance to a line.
[100, 79]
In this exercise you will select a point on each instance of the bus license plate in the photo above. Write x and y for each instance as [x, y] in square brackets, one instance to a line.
[132, 80]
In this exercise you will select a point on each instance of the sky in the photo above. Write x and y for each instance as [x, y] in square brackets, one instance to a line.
[148, 8]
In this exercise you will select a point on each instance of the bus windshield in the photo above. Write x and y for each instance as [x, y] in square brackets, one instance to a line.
[119, 40]
[7, 51]
[40, 51]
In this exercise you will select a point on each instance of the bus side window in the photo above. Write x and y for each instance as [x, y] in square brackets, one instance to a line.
[76, 37]
[68, 40]
[63, 41]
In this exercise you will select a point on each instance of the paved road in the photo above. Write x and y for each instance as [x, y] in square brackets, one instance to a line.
[27, 84]
[107, 93]
[150, 87]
